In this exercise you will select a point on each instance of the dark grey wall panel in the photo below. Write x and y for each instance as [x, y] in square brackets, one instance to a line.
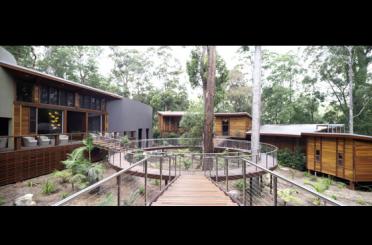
[129, 115]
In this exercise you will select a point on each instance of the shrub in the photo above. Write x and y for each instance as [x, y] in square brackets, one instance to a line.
[239, 185]
[124, 140]
[108, 201]
[289, 196]
[63, 176]
[132, 198]
[2, 200]
[141, 190]
[157, 182]
[30, 184]
[186, 163]
[48, 187]
[290, 159]
[321, 185]
[64, 195]
[171, 135]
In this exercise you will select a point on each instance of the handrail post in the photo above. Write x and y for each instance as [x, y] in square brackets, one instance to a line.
[216, 177]
[244, 182]
[275, 180]
[227, 173]
[170, 160]
[118, 181]
[175, 165]
[145, 163]
[161, 170]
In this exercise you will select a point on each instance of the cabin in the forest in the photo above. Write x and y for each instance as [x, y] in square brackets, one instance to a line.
[232, 124]
[44, 117]
[347, 156]
[327, 147]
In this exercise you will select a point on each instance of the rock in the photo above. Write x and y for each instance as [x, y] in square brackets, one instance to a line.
[234, 193]
[25, 200]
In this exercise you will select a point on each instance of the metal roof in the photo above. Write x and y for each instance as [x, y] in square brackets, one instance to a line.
[289, 129]
[181, 113]
[56, 79]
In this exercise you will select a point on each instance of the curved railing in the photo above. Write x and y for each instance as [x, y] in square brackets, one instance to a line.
[150, 166]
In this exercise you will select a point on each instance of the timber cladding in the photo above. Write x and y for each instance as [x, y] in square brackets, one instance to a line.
[21, 165]
[237, 125]
[356, 157]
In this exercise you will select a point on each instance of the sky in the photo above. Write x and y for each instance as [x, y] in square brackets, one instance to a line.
[182, 53]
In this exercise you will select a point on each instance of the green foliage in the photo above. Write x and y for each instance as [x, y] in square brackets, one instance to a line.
[197, 70]
[239, 185]
[30, 184]
[157, 182]
[141, 190]
[341, 185]
[291, 159]
[108, 200]
[48, 187]
[64, 176]
[24, 55]
[289, 195]
[186, 162]
[139, 155]
[360, 201]
[125, 140]
[132, 198]
[83, 172]
[306, 174]
[334, 197]
[321, 185]
[193, 121]
[64, 195]
[2, 200]
[171, 135]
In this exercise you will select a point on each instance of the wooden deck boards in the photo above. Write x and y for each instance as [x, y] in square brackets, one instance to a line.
[193, 190]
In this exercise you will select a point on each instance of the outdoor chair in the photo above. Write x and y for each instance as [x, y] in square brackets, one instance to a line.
[43, 140]
[29, 141]
[3, 142]
[94, 136]
[63, 139]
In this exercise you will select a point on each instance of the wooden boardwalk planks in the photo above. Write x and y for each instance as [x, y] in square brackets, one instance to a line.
[193, 190]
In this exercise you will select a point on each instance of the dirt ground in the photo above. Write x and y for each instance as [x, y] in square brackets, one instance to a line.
[337, 190]
[106, 196]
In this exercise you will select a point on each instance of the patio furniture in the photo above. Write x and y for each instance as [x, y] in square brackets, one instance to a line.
[3, 142]
[63, 139]
[43, 140]
[94, 136]
[29, 141]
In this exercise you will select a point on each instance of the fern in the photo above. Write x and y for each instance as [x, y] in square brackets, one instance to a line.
[289, 196]
[48, 187]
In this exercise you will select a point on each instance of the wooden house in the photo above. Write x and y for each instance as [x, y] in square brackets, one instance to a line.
[347, 156]
[233, 125]
[44, 117]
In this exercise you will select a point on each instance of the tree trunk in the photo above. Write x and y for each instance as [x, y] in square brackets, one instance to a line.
[351, 107]
[209, 108]
[256, 104]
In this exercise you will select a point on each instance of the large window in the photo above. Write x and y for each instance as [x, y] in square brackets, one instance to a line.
[49, 121]
[24, 91]
[32, 127]
[90, 102]
[50, 95]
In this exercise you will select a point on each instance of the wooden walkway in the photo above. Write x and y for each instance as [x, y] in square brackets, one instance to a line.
[193, 190]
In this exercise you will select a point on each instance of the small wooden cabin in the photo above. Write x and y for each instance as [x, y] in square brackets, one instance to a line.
[234, 124]
[347, 156]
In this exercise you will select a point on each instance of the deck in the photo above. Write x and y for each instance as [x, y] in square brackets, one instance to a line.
[193, 190]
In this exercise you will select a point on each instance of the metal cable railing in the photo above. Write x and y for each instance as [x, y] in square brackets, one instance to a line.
[259, 186]
[148, 167]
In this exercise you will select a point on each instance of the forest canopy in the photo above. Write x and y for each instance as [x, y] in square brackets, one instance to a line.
[308, 86]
